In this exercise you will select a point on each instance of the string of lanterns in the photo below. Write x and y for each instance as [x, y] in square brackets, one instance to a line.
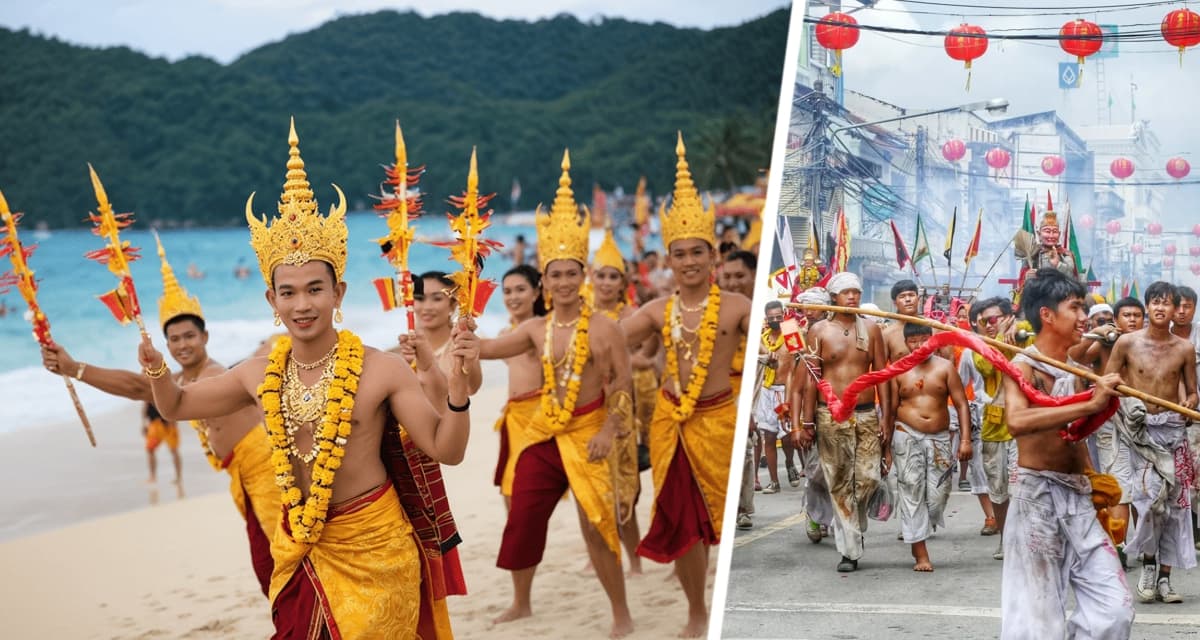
[998, 158]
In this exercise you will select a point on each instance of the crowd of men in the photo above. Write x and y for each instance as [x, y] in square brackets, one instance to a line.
[1080, 511]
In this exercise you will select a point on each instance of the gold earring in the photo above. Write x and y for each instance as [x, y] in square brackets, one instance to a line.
[337, 316]
[278, 321]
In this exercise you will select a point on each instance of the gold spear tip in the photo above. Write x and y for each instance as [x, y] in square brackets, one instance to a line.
[566, 161]
[162, 254]
[473, 173]
[680, 150]
[3, 206]
[401, 150]
[293, 139]
[101, 196]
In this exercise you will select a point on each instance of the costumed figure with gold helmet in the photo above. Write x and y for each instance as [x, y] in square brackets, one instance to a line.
[611, 297]
[1043, 250]
[234, 442]
[692, 431]
[586, 405]
[811, 271]
[365, 546]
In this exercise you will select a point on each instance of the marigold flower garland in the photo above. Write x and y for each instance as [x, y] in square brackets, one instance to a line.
[307, 517]
[201, 428]
[560, 414]
[673, 333]
[768, 346]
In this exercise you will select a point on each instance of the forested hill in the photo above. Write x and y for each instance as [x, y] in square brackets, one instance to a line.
[188, 141]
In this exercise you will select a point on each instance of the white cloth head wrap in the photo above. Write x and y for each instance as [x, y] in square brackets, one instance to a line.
[843, 281]
[1099, 308]
[815, 295]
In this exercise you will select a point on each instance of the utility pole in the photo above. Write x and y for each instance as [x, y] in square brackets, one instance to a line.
[817, 134]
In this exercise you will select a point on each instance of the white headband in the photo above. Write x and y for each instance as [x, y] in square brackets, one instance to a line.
[1098, 309]
[843, 281]
[815, 295]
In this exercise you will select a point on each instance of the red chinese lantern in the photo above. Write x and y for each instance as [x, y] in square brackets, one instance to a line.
[1196, 230]
[1121, 168]
[1178, 168]
[1171, 249]
[997, 158]
[1053, 165]
[954, 150]
[1168, 262]
[1195, 269]
[1194, 251]
[1181, 28]
[966, 42]
[1154, 229]
[836, 32]
[1087, 221]
[1080, 38]
[1114, 227]
[1134, 249]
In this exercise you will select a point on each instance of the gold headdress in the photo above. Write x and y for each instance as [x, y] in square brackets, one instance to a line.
[609, 254]
[175, 300]
[299, 234]
[562, 232]
[687, 218]
[1049, 218]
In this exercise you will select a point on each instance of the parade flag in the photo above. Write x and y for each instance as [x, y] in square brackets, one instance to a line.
[921, 244]
[813, 239]
[1027, 218]
[1071, 243]
[841, 250]
[1111, 298]
[1124, 288]
[1133, 291]
[973, 248]
[386, 288]
[901, 251]
[787, 247]
[1091, 276]
[950, 235]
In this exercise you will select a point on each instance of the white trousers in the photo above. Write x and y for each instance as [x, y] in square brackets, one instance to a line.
[922, 465]
[1052, 542]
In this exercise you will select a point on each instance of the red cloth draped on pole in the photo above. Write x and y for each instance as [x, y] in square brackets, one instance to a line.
[843, 408]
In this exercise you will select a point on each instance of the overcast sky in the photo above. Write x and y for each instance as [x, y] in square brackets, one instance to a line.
[225, 29]
[914, 71]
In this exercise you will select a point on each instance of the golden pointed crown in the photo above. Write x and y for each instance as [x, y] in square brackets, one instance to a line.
[1049, 219]
[175, 300]
[686, 218]
[299, 234]
[609, 254]
[563, 231]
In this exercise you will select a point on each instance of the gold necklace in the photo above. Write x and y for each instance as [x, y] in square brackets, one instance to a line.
[565, 325]
[310, 366]
[700, 307]
[561, 380]
[303, 405]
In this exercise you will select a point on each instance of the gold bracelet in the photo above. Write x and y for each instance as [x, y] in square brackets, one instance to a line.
[155, 374]
[79, 371]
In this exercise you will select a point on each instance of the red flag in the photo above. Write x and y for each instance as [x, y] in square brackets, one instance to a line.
[973, 248]
[122, 301]
[483, 291]
[902, 256]
[841, 250]
[386, 288]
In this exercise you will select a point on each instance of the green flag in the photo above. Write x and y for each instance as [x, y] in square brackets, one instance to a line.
[1072, 243]
[1027, 218]
[921, 244]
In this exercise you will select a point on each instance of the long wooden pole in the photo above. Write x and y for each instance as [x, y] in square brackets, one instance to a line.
[1011, 348]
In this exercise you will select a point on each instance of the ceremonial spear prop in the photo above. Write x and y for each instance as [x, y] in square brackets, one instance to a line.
[401, 209]
[1010, 348]
[470, 247]
[22, 278]
[990, 269]
[116, 255]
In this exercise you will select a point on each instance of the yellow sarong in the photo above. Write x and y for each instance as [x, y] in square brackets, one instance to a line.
[591, 482]
[514, 421]
[707, 439]
[624, 462]
[645, 390]
[250, 476]
[366, 570]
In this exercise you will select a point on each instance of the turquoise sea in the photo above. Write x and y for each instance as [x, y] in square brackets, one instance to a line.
[236, 311]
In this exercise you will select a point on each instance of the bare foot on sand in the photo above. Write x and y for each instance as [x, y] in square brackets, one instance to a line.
[635, 567]
[621, 628]
[513, 613]
[696, 627]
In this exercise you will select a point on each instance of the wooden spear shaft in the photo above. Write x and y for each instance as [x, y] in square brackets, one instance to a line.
[1010, 348]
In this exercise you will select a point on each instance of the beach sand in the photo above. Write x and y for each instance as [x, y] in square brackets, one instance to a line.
[180, 569]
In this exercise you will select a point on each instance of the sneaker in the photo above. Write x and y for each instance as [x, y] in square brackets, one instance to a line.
[847, 565]
[1164, 592]
[964, 485]
[772, 487]
[1146, 590]
[999, 554]
[989, 527]
[744, 521]
[900, 535]
[793, 476]
[813, 532]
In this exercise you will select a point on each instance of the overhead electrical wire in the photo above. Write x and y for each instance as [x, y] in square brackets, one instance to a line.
[1027, 8]
[1149, 35]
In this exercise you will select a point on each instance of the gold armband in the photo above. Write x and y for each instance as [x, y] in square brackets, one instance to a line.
[620, 404]
[155, 374]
